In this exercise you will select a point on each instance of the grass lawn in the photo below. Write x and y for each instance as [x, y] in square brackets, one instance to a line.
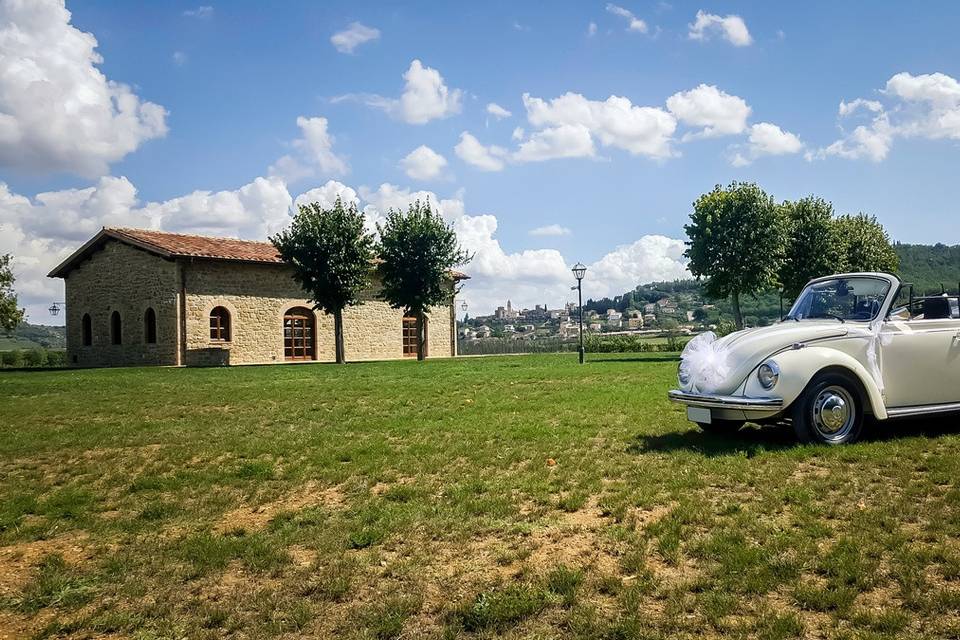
[511, 496]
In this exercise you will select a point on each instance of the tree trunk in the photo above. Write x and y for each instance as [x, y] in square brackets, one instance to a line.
[338, 336]
[421, 336]
[737, 315]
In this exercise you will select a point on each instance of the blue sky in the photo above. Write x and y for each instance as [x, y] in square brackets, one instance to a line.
[229, 82]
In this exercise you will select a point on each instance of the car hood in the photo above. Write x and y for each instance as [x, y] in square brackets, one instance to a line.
[719, 366]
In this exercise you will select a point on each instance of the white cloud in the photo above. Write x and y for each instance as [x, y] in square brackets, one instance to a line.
[591, 29]
[767, 140]
[425, 97]
[203, 11]
[918, 106]
[497, 111]
[651, 258]
[517, 134]
[848, 108]
[423, 163]
[314, 152]
[327, 195]
[485, 158]
[615, 122]
[732, 28]
[706, 106]
[564, 141]
[633, 23]
[179, 58]
[550, 230]
[353, 36]
[58, 112]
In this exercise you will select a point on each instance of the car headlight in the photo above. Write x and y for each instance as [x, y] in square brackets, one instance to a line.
[768, 373]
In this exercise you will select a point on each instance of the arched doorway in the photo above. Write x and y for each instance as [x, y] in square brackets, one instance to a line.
[299, 334]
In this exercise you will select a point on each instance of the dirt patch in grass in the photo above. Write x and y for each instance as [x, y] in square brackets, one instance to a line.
[255, 518]
[19, 561]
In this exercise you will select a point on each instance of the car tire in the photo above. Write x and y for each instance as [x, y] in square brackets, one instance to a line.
[829, 411]
[720, 427]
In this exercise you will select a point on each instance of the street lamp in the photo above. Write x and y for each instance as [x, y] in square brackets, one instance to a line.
[55, 308]
[463, 307]
[578, 272]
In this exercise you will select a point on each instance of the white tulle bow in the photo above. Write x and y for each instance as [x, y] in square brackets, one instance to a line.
[704, 363]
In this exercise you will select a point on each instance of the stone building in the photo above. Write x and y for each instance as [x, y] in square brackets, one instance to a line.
[140, 297]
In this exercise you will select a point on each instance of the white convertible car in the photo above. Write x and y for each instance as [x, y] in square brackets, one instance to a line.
[853, 344]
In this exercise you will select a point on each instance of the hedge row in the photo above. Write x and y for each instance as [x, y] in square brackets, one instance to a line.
[33, 358]
[632, 344]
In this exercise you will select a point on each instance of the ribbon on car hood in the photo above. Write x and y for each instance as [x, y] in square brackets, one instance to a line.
[704, 362]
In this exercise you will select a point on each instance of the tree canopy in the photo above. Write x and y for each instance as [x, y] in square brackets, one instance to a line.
[866, 245]
[10, 315]
[737, 241]
[331, 253]
[814, 245]
[418, 250]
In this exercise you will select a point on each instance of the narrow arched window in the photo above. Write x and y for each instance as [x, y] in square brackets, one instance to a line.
[116, 336]
[86, 327]
[150, 326]
[219, 324]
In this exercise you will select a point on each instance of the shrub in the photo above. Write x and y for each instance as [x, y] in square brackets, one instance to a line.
[35, 358]
[56, 359]
[13, 358]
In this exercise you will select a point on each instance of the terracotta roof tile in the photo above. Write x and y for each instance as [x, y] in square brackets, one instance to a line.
[186, 245]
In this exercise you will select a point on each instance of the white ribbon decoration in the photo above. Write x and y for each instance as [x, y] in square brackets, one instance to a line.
[875, 339]
[705, 362]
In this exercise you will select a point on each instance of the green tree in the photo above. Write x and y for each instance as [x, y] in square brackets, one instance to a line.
[865, 244]
[814, 247]
[331, 254]
[736, 241]
[418, 250]
[10, 315]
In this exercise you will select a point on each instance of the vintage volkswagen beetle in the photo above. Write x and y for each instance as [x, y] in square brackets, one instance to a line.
[853, 345]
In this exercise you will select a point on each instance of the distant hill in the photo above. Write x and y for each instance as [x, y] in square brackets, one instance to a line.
[34, 336]
[929, 266]
[926, 266]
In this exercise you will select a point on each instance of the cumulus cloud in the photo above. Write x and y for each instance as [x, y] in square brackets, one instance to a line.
[732, 28]
[425, 97]
[313, 153]
[615, 122]
[497, 111]
[651, 258]
[915, 106]
[767, 139]
[203, 11]
[485, 158]
[550, 230]
[58, 112]
[423, 163]
[327, 195]
[633, 23]
[706, 106]
[591, 29]
[353, 36]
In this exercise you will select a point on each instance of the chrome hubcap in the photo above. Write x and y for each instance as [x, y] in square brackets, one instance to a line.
[833, 413]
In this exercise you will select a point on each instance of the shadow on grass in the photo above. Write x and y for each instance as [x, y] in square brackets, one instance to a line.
[753, 439]
[636, 358]
[748, 441]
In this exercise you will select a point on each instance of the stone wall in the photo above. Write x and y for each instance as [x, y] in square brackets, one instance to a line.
[127, 280]
[257, 297]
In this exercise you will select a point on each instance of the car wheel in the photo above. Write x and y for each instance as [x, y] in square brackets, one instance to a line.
[720, 427]
[829, 411]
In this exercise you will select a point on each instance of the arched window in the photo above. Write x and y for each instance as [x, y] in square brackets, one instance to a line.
[87, 330]
[150, 326]
[219, 325]
[116, 336]
[298, 334]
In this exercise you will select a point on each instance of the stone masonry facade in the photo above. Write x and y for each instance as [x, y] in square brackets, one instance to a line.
[182, 292]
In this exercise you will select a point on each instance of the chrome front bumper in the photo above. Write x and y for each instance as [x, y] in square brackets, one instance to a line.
[739, 403]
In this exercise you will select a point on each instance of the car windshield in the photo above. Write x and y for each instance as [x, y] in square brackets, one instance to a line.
[856, 298]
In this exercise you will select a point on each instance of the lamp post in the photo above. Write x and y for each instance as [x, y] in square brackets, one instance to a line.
[55, 308]
[578, 272]
[463, 307]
